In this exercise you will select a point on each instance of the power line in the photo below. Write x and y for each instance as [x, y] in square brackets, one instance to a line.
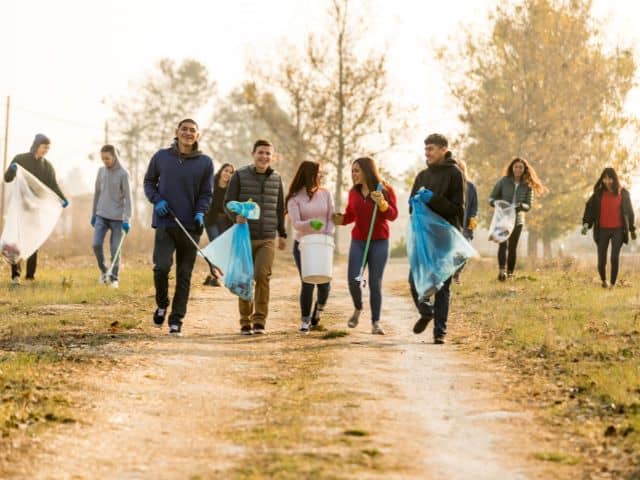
[75, 123]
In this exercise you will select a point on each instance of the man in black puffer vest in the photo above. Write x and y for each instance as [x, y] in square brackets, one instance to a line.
[262, 184]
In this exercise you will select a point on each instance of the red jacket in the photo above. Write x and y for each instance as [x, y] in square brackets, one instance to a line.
[359, 210]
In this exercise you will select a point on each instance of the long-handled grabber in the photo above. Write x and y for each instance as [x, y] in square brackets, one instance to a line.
[115, 258]
[213, 269]
[360, 277]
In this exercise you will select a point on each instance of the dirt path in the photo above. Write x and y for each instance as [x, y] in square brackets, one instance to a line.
[214, 404]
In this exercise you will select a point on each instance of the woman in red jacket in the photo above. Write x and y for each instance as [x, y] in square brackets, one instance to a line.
[610, 213]
[362, 199]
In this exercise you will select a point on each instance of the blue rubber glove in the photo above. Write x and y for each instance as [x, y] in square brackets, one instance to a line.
[199, 218]
[425, 195]
[161, 208]
[65, 203]
[14, 166]
[93, 220]
[126, 227]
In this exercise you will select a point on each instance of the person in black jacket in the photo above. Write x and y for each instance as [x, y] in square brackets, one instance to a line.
[34, 162]
[444, 193]
[610, 213]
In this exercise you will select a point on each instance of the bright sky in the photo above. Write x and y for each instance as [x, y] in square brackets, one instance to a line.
[61, 59]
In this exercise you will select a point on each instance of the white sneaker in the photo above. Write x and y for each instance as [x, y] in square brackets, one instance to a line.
[376, 329]
[304, 326]
[15, 280]
[103, 279]
[114, 284]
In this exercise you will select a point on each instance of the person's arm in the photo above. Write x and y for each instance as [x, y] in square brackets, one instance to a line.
[627, 210]
[150, 182]
[329, 226]
[414, 189]
[391, 213]
[293, 210]
[588, 216]
[528, 201]
[53, 182]
[205, 192]
[282, 229]
[10, 174]
[126, 192]
[473, 202]
[349, 212]
[96, 193]
[496, 192]
[233, 193]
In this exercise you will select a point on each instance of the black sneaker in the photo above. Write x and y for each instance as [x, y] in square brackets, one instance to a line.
[438, 339]
[315, 316]
[421, 325]
[158, 319]
[246, 330]
[175, 330]
[258, 329]
[502, 276]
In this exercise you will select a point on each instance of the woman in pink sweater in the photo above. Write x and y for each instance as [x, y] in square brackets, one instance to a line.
[310, 208]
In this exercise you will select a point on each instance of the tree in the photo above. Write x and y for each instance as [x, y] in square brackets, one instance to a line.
[146, 121]
[332, 97]
[542, 87]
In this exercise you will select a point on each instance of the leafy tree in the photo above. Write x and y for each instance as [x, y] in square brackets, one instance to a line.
[542, 86]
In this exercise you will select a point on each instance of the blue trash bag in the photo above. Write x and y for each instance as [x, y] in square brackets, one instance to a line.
[436, 249]
[231, 252]
[248, 209]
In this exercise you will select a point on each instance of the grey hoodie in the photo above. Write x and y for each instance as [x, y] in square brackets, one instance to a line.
[112, 197]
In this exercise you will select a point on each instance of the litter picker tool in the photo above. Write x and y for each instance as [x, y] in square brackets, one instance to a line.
[213, 269]
[115, 258]
[360, 278]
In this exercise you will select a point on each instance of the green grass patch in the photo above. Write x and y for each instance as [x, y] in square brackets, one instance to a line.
[557, 457]
[354, 432]
[332, 334]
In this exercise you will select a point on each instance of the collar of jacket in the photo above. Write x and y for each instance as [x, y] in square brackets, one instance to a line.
[447, 162]
[267, 172]
[195, 151]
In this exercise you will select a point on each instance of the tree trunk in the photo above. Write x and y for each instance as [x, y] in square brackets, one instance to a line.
[546, 241]
[341, 140]
[532, 245]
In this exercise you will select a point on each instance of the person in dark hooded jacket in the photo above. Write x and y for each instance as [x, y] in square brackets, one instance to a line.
[111, 210]
[34, 162]
[179, 181]
[443, 190]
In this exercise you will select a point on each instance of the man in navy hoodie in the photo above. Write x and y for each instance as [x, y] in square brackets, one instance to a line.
[179, 181]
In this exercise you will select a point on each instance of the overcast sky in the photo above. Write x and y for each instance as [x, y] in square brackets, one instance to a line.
[60, 59]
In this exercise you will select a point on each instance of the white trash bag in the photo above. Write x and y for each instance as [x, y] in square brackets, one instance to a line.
[32, 213]
[503, 221]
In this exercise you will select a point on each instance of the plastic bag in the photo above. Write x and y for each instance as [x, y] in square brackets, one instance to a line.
[32, 213]
[503, 221]
[231, 252]
[436, 249]
[249, 209]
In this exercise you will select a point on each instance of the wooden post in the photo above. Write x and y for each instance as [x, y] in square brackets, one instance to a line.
[4, 159]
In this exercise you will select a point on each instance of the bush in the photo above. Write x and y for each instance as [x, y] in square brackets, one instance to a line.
[399, 249]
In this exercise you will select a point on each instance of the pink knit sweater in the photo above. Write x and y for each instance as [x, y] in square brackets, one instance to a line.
[302, 209]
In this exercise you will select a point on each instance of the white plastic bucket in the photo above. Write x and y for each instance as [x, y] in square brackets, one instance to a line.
[316, 258]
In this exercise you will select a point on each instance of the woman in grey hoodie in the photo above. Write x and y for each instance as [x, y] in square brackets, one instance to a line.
[111, 210]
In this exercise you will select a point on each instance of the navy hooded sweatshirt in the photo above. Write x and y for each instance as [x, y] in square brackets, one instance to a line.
[184, 181]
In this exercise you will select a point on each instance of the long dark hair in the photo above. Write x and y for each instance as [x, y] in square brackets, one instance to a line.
[529, 176]
[306, 178]
[611, 173]
[371, 173]
[216, 177]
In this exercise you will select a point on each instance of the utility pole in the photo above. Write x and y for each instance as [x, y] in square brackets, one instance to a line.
[106, 132]
[4, 159]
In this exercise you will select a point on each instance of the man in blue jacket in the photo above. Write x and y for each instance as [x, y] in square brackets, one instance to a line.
[179, 181]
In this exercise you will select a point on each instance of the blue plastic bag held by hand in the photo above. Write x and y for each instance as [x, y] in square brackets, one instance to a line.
[436, 249]
[231, 252]
[248, 209]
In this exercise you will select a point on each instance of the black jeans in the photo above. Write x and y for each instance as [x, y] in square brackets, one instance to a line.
[511, 244]
[32, 263]
[439, 310]
[306, 292]
[167, 241]
[615, 236]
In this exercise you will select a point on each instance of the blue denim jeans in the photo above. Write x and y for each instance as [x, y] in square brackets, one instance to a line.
[438, 310]
[306, 292]
[376, 261]
[102, 226]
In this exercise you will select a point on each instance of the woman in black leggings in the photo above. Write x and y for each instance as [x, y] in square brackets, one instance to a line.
[610, 213]
[516, 187]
